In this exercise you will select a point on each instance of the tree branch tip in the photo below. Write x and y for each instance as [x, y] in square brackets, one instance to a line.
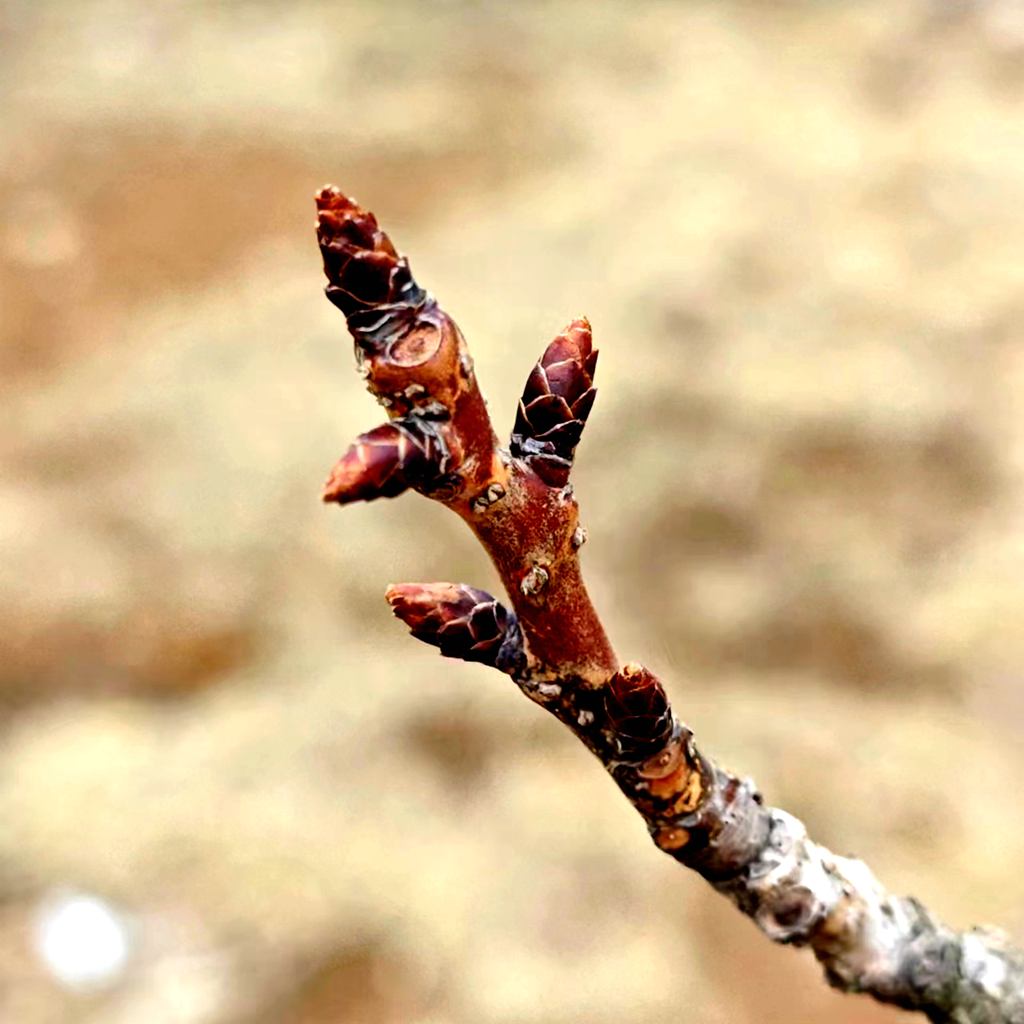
[440, 441]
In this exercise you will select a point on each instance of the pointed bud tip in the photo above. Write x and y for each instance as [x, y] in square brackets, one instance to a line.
[580, 333]
[403, 596]
[574, 344]
[633, 676]
[333, 490]
[345, 483]
[412, 603]
[400, 594]
[332, 197]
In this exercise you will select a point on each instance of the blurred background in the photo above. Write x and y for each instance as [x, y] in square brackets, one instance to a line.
[232, 790]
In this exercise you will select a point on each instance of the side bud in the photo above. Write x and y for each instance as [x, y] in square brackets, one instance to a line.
[557, 399]
[638, 712]
[387, 461]
[462, 621]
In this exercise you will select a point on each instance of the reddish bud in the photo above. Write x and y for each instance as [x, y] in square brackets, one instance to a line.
[368, 280]
[638, 711]
[387, 461]
[557, 399]
[411, 352]
[462, 621]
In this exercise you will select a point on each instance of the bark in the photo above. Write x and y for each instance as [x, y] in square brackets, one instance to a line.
[520, 505]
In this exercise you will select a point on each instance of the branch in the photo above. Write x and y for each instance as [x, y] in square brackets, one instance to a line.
[519, 504]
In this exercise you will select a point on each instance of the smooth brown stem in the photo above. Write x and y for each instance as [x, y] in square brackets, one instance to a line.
[531, 534]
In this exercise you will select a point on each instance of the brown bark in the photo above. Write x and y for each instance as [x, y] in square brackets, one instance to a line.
[519, 504]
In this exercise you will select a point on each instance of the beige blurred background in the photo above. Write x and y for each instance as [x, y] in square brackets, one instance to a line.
[232, 791]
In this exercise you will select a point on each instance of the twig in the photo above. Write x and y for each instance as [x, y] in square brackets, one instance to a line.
[520, 505]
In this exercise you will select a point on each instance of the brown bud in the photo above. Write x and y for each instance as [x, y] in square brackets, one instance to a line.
[387, 461]
[557, 399]
[411, 352]
[462, 621]
[368, 280]
[638, 711]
